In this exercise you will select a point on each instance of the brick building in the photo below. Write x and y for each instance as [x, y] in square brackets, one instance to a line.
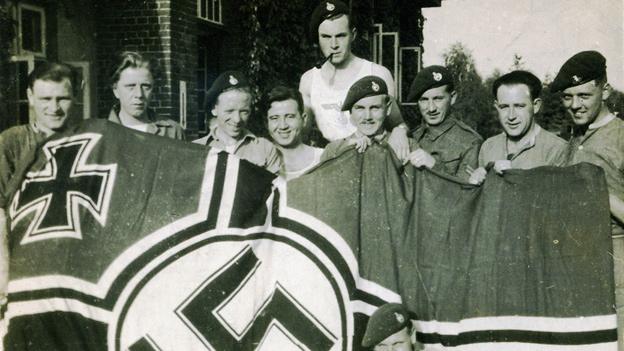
[192, 41]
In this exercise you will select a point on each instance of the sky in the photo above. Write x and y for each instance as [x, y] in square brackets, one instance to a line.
[544, 32]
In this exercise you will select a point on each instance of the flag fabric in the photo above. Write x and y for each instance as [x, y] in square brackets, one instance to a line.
[125, 241]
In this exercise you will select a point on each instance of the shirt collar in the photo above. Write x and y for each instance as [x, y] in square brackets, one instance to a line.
[153, 123]
[527, 145]
[213, 136]
[434, 132]
[608, 118]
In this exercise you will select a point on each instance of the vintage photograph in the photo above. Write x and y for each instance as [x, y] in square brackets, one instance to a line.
[312, 175]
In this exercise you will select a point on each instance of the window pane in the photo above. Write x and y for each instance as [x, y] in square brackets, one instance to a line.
[218, 10]
[210, 10]
[22, 79]
[31, 31]
[202, 8]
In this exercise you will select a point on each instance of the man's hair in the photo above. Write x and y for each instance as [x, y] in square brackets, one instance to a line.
[516, 78]
[283, 93]
[55, 72]
[131, 59]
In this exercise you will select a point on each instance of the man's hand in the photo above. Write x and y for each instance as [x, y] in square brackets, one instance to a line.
[421, 158]
[361, 142]
[477, 176]
[399, 142]
[501, 165]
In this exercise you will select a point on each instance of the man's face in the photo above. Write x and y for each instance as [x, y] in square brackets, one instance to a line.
[584, 102]
[134, 91]
[232, 110]
[435, 105]
[51, 102]
[399, 341]
[516, 109]
[285, 123]
[335, 38]
[368, 114]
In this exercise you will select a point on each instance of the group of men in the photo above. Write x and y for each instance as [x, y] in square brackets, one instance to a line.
[352, 102]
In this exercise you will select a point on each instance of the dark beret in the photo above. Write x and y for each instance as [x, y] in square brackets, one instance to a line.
[428, 78]
[326, 9]
[364, 87]
[580, 69]
[226, 80]
[387, 320]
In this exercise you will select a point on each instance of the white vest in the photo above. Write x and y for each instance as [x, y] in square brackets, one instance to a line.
[326, 103]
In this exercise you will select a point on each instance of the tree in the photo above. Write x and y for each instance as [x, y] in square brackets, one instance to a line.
[474, 103]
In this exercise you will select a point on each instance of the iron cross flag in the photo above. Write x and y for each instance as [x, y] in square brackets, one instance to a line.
[125, 241]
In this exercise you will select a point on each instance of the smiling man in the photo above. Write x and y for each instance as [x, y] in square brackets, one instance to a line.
[286, 122]
[324, 89]
[50, 96]
[523, 143]
[445, 143]
[389, 329]
[230, 101]
[598, 138]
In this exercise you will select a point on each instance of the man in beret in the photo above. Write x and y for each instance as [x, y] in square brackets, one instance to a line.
[369, 104]
[598, 138]
[388, 329]
[523, 143]
[286, 122]
[324, 89]
[445, 143]
[230, 100]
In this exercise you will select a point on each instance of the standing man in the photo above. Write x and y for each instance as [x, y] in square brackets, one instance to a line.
[286, 122]
[598, 138]
[523, 143]
[230, 100]
[389, 329]
[445, 143]
[324, 89]
[50, 95]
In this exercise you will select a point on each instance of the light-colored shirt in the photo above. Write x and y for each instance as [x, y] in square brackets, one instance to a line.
[256, 150]
[543, 148]
[294, 174]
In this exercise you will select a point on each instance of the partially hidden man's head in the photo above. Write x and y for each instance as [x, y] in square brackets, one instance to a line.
[583, 82]
[286, 119]
[434, 90]
[332, 29]
[51, 88]
[230, 101]
[369, 104]
[517, 100]
[389, 329]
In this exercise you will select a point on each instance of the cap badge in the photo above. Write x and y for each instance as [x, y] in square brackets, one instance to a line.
[330, 6]
[437, 76]
[576, 78]
[374, 86]
[399, 317]
[233, 80]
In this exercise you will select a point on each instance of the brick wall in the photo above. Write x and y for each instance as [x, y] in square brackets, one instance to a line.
[161, 29]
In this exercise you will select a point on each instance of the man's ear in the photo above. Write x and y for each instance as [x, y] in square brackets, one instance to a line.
[353, 34]
[537, 105]
[606, 91]
[388, 105]
[453, 97]
[31, 97]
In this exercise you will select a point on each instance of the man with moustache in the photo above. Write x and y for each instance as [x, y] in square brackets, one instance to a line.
[230, 99]
[286, 122]
[324, 89]
[523, 143]
[445, 143]
[598, 138]
[50, 95]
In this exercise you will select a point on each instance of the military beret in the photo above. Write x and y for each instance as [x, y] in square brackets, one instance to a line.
[428, 78]
[387, 320]
[226, 80]
[364, 87]
[580, 69]
[326, 9]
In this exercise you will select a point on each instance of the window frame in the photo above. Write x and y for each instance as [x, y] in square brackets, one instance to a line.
[210, 3]
[19, 37]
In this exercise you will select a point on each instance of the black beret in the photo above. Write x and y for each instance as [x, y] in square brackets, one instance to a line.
[364, 87]
[326, 9]
[226, 80]
[580, 69]
[387, 320]
[428, 78]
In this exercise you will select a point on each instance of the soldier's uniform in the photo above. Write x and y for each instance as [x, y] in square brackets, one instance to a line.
[453, 144]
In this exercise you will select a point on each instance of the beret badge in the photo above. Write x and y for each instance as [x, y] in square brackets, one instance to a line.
[576, 78]
[437, 76]
[330, 6]
[399, 317]
[374, 86]
[233, 80]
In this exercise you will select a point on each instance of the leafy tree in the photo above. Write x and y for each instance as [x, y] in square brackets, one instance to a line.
[474, 101]
[518, 63]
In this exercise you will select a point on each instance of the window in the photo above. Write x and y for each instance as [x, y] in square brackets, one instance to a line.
[31, 30]
[210, 10]
[82, 102]
[18, 107]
